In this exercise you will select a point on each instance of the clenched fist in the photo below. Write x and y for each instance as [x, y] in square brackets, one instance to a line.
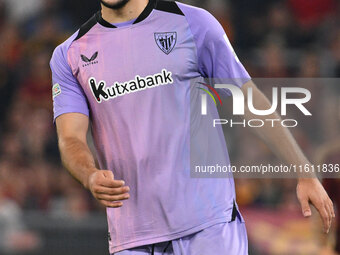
[106, 189]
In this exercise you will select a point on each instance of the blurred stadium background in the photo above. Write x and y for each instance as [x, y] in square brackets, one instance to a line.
[44, 211]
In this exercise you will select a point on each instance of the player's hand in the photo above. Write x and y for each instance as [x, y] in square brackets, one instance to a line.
[310, 190]
[106, 189]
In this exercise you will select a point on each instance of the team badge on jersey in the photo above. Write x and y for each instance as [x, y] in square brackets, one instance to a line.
[166, 41]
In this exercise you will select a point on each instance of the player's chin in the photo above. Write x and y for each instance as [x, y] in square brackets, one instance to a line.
[110, 2]
[114, 4]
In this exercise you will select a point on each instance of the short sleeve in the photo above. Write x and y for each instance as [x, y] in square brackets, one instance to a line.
[68, 95]
[216, 57]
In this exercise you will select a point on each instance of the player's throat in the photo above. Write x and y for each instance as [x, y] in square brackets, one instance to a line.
[131, 10]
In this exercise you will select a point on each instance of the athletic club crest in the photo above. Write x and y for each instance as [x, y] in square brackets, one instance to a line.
[166, 41]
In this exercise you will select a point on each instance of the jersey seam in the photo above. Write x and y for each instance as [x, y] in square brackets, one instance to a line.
[195, 40]
[71, 44]
[67, 58]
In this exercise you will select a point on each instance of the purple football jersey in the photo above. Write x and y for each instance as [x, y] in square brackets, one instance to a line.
[133, 81]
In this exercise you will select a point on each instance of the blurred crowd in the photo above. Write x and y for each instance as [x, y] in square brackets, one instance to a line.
[30, 170]
[273, 38]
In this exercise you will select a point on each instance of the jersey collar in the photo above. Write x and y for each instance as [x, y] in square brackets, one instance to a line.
[145, 13]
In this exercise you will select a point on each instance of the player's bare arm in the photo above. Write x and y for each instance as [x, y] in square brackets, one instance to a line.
[282, 143]
[78, 159]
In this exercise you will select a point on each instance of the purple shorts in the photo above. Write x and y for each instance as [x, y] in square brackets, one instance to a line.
[228, 238]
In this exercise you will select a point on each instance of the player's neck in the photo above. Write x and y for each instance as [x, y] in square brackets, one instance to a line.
[130, 11]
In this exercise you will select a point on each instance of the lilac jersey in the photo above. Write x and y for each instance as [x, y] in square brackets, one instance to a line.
[133, 81]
